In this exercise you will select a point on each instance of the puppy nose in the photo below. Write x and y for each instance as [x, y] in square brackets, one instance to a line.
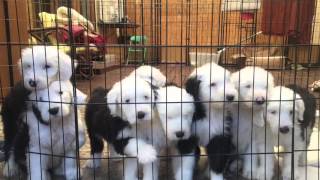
[230, 97]
[54, 111]
[284, 130]
[32, 83]
[180, 134]
[260, 100]
[141, 115]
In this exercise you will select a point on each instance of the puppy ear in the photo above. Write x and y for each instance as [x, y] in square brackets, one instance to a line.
[299, 108]
[112, 99]
[65, 67]
[192, 87]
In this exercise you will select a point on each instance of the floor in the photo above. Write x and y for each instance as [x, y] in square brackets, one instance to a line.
[113, 168]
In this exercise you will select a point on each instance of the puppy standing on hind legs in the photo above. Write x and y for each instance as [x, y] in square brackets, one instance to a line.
[128, 121]
[251, 136]
[39, 67]
[175, 107]
[291, 116]
[213, 92]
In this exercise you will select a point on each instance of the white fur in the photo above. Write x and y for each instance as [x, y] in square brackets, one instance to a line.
[284, 105]
[249, 130]
[175, 108]
[44, 64]
[94, 161]
[129, 97]
[59, 137]
[150, 74]
[214, 87]
[126, 99]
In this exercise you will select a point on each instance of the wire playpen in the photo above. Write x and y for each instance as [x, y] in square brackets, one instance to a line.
[189, 89]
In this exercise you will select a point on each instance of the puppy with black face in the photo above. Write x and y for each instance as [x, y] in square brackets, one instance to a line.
[213, 92]
[291, 109]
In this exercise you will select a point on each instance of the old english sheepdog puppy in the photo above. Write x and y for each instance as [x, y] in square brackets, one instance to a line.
[291, 116]
[248, 129]
[150, 74]
[213, 92]
[39, 66]
[130, 123]
[51, 132]
[175, 107]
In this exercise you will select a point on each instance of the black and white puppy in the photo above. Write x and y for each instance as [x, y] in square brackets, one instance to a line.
[130, 123]
[291, 115]
[39, 66]
[213, 91]
[175, 107]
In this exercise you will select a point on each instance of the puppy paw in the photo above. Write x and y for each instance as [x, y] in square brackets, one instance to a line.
[10, 169]
[93, 163]
[261, 173]
[147, 154]
[247, 173]
[71, 174]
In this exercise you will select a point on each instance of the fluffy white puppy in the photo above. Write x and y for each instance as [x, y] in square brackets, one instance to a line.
[291, 116]
[133, 99]
[248, 129]
[41, 65]
[213, 92]
[52, 132]
[175, 107]
[150, 74]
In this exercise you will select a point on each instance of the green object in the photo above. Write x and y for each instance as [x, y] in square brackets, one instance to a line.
[136, 48]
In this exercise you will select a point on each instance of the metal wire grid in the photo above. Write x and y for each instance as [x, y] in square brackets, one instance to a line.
[175, 29]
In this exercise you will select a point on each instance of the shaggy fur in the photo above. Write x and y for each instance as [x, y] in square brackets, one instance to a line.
[56, 136]
[213, 92]
[150, 74]
[129, 122]
[37, 125]
[249, 130]
[291, 116]
[175, 108]
[41, 65]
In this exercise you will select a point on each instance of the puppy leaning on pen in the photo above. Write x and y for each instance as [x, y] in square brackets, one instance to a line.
[251, 136]
[291, 115]
[175, 107]
[129, 122]
[213, 92]
[39, 66]
[52, 132]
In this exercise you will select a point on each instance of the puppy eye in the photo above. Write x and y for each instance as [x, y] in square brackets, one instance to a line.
[248, 86]
[60, 92]
[146, 97]
[127, 100]
[291, 112]
[273, 112]
[40, 98]
[46, 66]
[213, 84]
[27, 66]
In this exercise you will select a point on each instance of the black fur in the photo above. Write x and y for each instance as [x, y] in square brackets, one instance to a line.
[187, 146]
[310, 103]
[101, 124]
[219, 152]
[37, 113]
[16, 137]
[192, 87]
